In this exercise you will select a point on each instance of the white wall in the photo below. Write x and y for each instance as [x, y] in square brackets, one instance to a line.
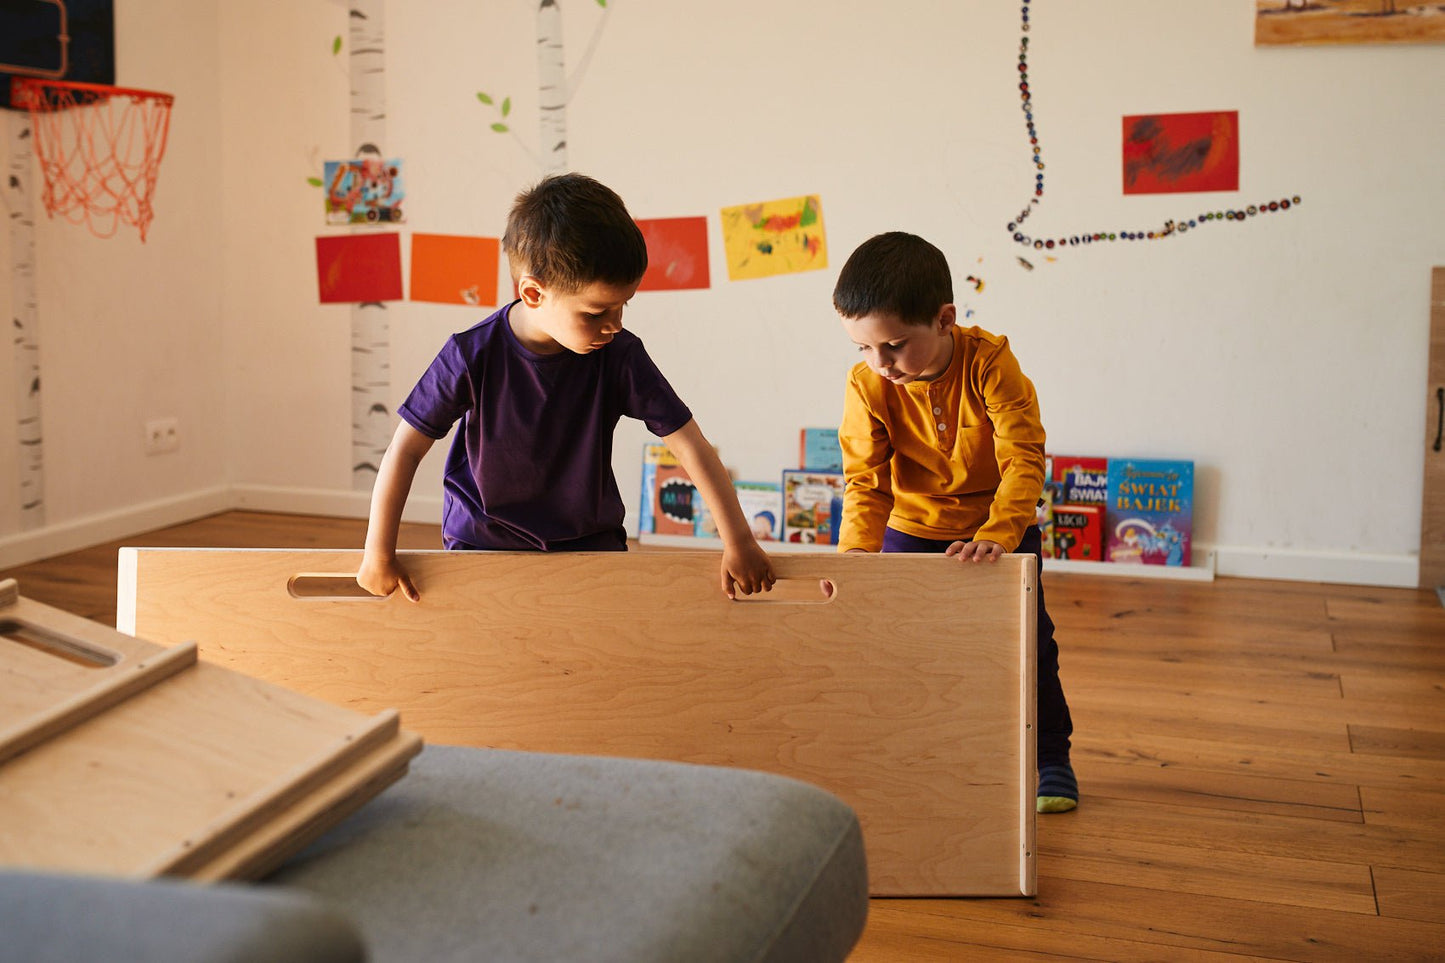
[131, 331]
[1285, 355]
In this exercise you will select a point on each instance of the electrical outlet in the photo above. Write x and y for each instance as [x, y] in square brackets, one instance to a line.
[162, 435]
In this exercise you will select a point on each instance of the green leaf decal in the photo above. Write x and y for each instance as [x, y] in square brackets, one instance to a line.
[506, 106]
[483, 97]
[500, 128]
[336, 45]
[314, 181]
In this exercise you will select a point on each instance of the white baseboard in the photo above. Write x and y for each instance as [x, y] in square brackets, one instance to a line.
[89, 530]
[1392, 571]
[426, 510]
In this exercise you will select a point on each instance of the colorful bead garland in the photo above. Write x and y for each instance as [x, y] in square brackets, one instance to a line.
[1169, 229]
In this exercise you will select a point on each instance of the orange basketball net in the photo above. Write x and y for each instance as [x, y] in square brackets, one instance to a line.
[99, 148]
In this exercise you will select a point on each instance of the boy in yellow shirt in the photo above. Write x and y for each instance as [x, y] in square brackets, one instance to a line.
[943, 448]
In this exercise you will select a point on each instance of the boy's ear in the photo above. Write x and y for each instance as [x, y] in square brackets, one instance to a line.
[530, 290]
[947, 317]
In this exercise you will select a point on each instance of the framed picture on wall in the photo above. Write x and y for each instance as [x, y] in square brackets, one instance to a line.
[1347, 21]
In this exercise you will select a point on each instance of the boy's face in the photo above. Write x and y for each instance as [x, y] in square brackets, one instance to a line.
[904, 352]
[578, 321]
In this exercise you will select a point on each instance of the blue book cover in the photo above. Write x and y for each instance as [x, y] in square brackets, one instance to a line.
[818, 450]
[1149, 516]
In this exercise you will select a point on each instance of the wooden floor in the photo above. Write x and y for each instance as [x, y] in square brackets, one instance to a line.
[1262, 767]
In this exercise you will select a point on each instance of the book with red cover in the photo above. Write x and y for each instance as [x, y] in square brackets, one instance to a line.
[1079, 532]
[1081, 479]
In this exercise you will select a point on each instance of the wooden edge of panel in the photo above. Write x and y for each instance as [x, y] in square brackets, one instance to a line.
[119, 684]
[126, 562]
[9, 592]
[250, 815]
[1028, 747]
[314, 814]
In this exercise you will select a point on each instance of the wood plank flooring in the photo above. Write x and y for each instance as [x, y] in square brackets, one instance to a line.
[1262, 767]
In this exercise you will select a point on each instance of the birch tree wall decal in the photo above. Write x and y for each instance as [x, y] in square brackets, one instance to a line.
[25, 314]
[370, 332]
[554, 87]
[551, 87]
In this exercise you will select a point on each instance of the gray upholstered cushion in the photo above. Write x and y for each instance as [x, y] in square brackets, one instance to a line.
[49, 918]
[505, 856]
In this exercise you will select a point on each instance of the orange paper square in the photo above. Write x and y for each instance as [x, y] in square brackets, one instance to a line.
[454, 269]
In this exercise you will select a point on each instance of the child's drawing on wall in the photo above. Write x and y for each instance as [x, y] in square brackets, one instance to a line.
[774, 237]
[367, 190]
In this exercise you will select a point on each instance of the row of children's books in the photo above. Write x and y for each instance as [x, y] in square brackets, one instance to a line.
[1093, 509]
[1130, 510]
[805, 506]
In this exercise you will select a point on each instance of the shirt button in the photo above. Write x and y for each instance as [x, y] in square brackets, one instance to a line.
[938, 411]
[942, 426]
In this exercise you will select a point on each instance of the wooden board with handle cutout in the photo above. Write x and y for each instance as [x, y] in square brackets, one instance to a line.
[908, 690]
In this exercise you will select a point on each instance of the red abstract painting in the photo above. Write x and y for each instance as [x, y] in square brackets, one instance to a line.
[676, 253]
[352, 268]
[1181, 153]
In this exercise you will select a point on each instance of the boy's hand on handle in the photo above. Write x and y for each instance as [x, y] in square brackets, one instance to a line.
[746, 569]
[382, 576]
[978, 551]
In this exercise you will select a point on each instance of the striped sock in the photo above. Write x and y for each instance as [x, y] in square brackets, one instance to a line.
[1058, 789]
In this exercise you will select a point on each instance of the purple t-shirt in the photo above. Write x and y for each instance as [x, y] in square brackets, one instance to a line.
[531, 465]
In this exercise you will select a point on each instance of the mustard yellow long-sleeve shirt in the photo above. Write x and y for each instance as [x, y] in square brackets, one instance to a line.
[958, 457]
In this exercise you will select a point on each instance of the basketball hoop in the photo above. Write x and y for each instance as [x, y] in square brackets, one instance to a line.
[99, 148]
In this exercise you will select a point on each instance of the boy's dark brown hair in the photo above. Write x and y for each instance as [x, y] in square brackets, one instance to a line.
[570, 231]
[896, 274]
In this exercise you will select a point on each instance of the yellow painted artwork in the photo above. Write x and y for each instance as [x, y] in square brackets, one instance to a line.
[774, 237]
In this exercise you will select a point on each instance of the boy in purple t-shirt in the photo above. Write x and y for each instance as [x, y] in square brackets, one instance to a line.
[539, 388]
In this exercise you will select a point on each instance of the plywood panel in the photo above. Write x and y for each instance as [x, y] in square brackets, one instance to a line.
[908, 692]
[120, 756]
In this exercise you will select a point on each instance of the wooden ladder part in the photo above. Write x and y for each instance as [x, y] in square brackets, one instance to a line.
[120, 756]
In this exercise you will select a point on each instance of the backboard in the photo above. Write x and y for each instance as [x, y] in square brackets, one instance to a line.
[58, 40]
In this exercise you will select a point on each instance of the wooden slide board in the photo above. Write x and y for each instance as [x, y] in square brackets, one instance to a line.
[909, 693]
[122, 757]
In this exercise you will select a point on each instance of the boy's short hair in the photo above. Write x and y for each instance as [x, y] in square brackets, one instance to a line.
[570, 231]
[896, 274]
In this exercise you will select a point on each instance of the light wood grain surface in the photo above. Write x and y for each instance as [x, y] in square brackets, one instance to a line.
[906, 690]
[138, 760]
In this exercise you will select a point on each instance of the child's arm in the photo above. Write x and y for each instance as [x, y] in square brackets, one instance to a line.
[868, 470]
[381, 573]
[745, 566]
[1018, 447]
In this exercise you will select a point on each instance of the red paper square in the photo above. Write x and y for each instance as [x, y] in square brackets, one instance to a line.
[352, 268]
[676, 253]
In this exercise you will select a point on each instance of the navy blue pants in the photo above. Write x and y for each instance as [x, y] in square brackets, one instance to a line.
[1054, 724]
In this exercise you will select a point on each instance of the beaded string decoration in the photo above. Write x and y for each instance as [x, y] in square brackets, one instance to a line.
[1170, 227]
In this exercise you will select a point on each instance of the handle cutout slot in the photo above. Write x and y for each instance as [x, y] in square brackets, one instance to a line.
[321, 587]
[54, 644]
[796, 591]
